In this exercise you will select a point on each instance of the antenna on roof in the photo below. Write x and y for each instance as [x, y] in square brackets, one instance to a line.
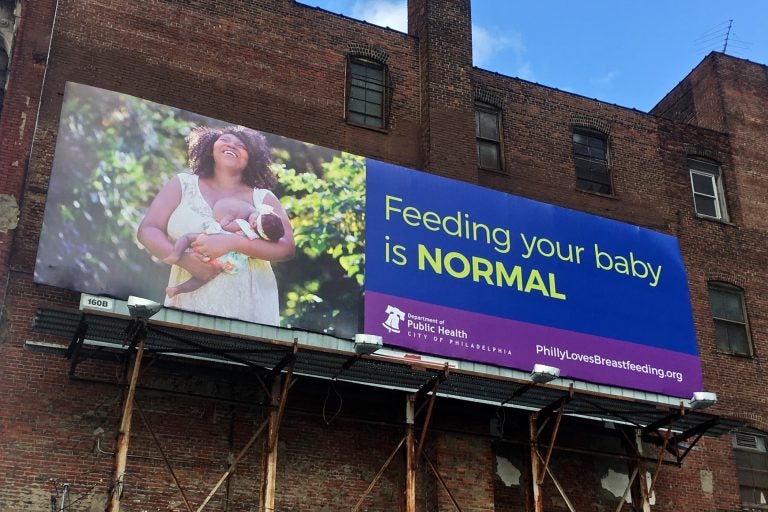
[722, 38]
[727, 35]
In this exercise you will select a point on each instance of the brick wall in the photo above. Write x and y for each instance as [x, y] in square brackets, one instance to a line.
[280, 66]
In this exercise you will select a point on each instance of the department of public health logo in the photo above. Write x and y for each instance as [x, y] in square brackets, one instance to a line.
[394, 316]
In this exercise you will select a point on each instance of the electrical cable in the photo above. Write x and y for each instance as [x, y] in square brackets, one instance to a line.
[332, 385]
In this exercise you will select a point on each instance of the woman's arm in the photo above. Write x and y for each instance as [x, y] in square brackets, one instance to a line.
[281, 250]
[152, 232]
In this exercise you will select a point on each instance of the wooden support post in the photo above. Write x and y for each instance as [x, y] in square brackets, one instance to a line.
[657, 471]
[269, 464]
[627, 490]
[560, 488]
[642, 482]
[430, 407]
[533, 432]
[279, 397]
[124, 434]
[551, 443]
[410, 452]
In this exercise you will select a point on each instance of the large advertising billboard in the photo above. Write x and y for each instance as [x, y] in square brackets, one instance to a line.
[154, 201]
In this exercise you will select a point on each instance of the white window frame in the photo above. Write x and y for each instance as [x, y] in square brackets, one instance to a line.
[709, 170]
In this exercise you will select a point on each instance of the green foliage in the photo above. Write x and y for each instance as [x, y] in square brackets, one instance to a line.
[113, 153]
[328, 216]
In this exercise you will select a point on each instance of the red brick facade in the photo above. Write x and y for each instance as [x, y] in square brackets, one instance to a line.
[279, 66]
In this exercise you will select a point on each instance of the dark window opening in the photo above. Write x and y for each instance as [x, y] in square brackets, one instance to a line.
[367, 93]
[752, 468]
[488, 135]
[728, 313]
[590, 154]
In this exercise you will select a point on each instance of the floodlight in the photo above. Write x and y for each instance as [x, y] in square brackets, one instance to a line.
[542, 373]
[367, 343]
[142, 308]
[702, 400]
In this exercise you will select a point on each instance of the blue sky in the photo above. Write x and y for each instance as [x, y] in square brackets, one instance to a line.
[630, 53]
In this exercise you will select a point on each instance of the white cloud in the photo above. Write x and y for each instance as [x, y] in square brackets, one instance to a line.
[385, 13]
[488, 45]
[604, 80]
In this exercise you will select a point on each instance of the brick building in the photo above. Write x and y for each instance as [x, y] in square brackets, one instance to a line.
[693, 167]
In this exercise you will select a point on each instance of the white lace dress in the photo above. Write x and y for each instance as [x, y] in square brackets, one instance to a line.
[249, 295]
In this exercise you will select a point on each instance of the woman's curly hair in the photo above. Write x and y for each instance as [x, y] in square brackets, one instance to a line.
[257, 174]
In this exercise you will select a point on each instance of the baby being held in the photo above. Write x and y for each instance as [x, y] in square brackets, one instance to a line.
[232, 216]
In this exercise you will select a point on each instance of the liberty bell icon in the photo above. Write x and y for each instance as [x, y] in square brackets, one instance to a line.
[394, 317]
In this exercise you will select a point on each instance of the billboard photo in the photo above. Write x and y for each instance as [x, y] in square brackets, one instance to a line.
[140, 191]
[150, 200]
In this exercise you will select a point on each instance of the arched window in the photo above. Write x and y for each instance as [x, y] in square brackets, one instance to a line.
[367, 92]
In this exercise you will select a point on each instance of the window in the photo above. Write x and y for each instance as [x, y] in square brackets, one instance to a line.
[366, 92]
[728, 312]
[488, 134]
[752, 468]
[590, 154]
[707, 189]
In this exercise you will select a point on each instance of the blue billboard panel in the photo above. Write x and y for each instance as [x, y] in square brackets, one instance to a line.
[466, 272]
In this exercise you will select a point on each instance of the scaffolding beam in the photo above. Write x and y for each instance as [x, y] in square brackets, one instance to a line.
[124, 434]
[232, 466]
[279, 399]
[410, 455]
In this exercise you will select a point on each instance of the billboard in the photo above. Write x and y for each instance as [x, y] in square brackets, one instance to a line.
[141, 194]
[472, 273]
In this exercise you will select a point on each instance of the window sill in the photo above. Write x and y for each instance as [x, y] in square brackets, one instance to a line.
[738, 355]
[598, 194]
[372, 128]
[500, 172]
[715, 220]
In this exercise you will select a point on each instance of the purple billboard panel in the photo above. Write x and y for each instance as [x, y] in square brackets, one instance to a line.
[470, 273]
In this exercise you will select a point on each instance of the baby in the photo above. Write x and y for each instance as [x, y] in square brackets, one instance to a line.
[231, 216]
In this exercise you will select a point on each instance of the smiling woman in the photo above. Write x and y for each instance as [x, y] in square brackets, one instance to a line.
[222, 268]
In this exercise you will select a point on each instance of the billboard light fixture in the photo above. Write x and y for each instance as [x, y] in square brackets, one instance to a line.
[367, 343]
[140, 308]
[542, 373]
[702, 400]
